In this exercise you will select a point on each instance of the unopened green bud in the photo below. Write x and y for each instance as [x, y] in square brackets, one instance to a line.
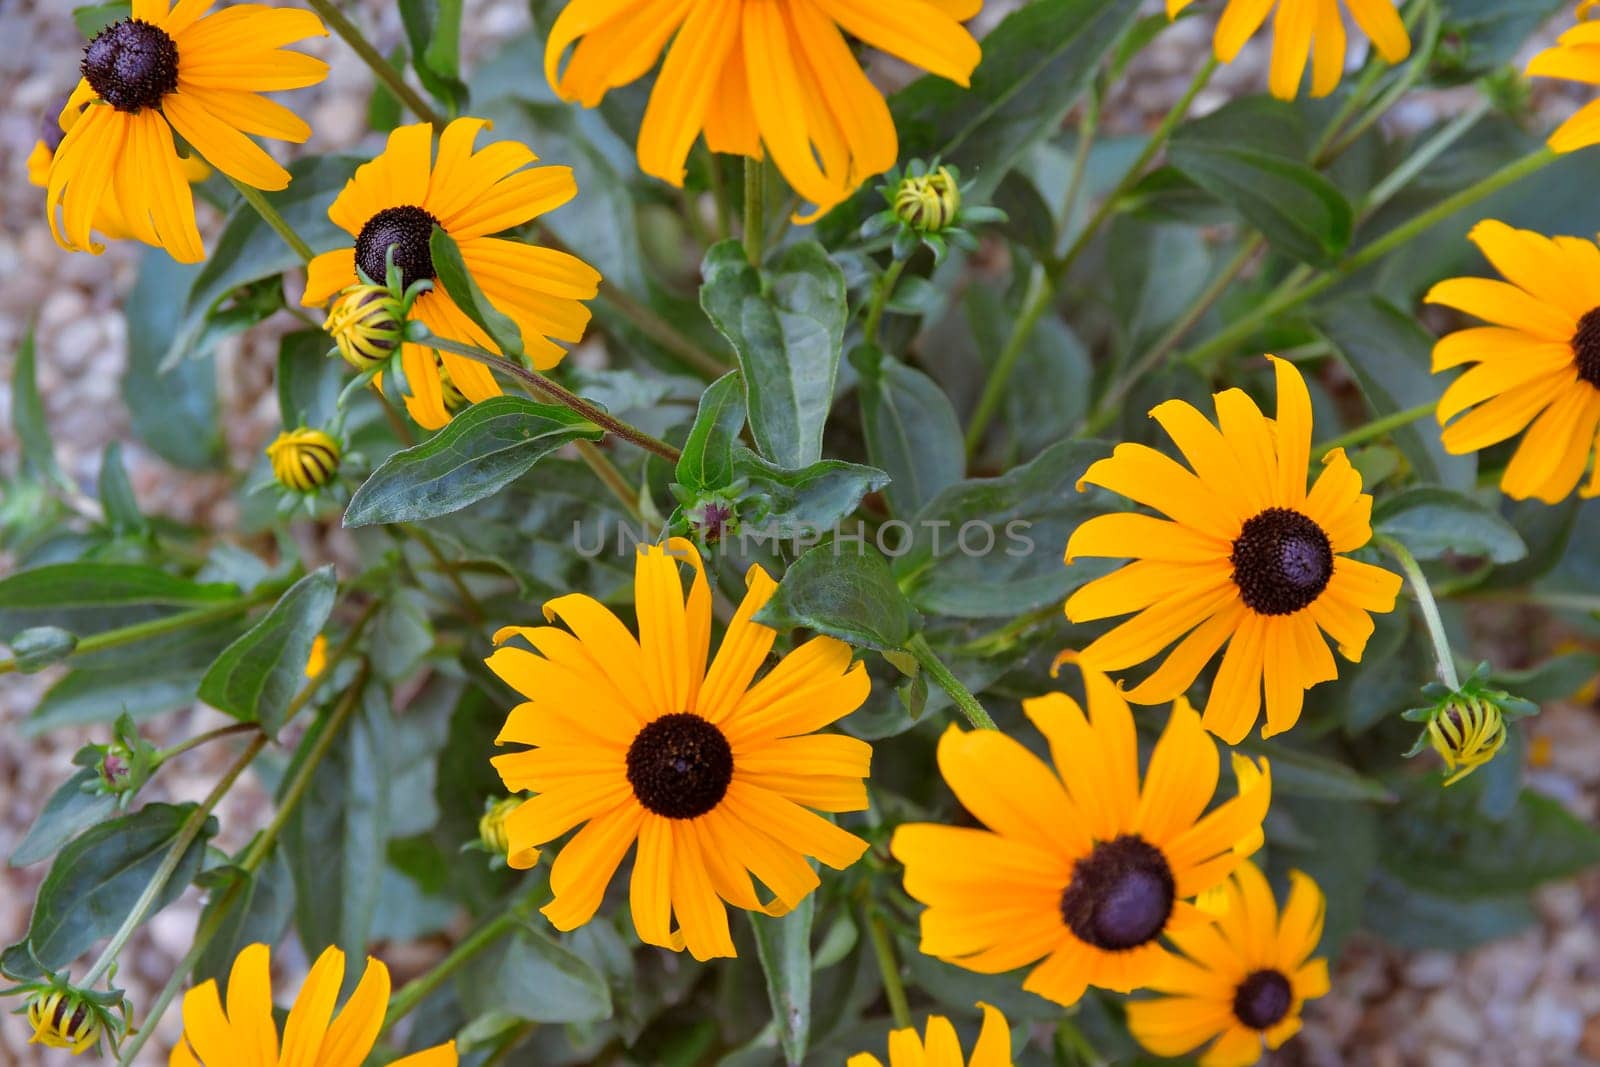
[40, 646]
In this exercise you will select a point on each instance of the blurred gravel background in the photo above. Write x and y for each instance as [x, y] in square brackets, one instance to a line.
[1533, 1001]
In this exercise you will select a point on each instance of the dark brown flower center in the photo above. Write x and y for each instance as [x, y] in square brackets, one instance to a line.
[1263, 999]
[679, 766]
[407, 230]
[131, 64]
[1586, 348]
[1121, 894]
[1281, 562]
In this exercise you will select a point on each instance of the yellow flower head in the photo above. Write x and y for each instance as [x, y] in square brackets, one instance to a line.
[637, 739]
[1248, 557]
[312, 1035]
[1080, 867]
[396, 200]
[174, 68]
[761, 77]
[1307, 31]
[1574, 57]
[62, 1020]
[1537, 368]
[1468, 733]
[304, 460]
[929, 202]
[1241, 981]
[943, 1047]
[367, 322]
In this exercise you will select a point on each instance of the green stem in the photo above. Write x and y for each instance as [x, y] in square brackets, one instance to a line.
[755, 209]
[1088, 129]
[551, 390]
[1585, 603]
[127, 635]
[210, 735]
[1430, 150]
[719, 196]
[617, 485]
[889, 967]
[419, 988]
[469, 603]
[169, 863]
[1377, 428]
[269, 214]
[941, 676]
[1408, 77]
[1041, 294]
[1430, 608]
[1204, 355]
[381, 67]
[880, 299]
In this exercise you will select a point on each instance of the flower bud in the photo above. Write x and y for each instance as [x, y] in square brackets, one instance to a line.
[367, 323]
[928, 203]
[63, 1018]
[1467, 733]
[304, 460]
[492, 833]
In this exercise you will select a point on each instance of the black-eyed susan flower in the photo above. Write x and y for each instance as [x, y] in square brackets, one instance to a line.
[1307, 32]
[942, 1046]
[395, 201]
[304, 459]
[175, 69]
[638, 740]
[1241, 982]
[1248, 558]
[1537, 367]
[760, 76]
[1080, 867]
[1574, 57]
[313, 1036]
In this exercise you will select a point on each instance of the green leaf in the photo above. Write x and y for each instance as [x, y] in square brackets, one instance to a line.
[531, 977]
[484, 449]
[335, 840]
[788, 502]
[1557, 678]
[1337, 844]
[70, 810]
[92, 18]
[116, 495]
[845, 591]
[452, 273]
[992, 546]
[255, 909]
[784, 947]
[1409, 917]
[172, 410]
[143, 679]
[257, 676]
[707, 459]
[1300, 212]
[911, 430]
[1299, 773]
[434, 29]
[28, 419]
[402, 635]
[1434, 522]
[1390, 354]
[92, 886]
[87, 597]
[1036, 64]
[786, 323]
[39, 647]
[308, 381]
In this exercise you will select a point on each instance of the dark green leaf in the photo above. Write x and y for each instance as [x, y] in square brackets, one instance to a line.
[174, 411]
[39, 647]
[784, 946]
[1337, 845]
[402, 635]
[788, 503]
[92, 18]
[992, 546]
[256, 909]
[92, 886]
[1555, 679]
[707, 459]
[70, 810]
[28, 418]
[844, 590]
[1409, 917]
[1390, 355]
[309, 381]
[88, 597]
[1434, 522]
[434, 29]
[787, 325]
[458, 282]
[116, 495]
[257, 676]
[911, 430]
[484, 449]
[531, 977]
[1299, 773]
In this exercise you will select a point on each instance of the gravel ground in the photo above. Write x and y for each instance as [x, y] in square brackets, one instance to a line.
[1532, 1001]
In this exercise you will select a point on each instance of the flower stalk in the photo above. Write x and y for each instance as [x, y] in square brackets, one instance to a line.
[944, 679]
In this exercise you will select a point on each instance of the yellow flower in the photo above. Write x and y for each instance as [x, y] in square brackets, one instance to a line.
[1079, 866]
[179, 70]
[1538, 366]
[61, 1019]
[1574, 57]
[943, 1048]
[304, 460]
[317, 661]
[755, 76]
[396, 200]
[1307, 31]
[1241, 981]
[638, 739]
[1249, 558]
[312, 1035]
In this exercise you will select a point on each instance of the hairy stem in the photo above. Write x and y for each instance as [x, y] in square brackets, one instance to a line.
[270, 216]
[755, 209]
[941, 676]
[1446, 659]
[381, 68]
[1376, 428]
[888, 966]
[881, 292]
